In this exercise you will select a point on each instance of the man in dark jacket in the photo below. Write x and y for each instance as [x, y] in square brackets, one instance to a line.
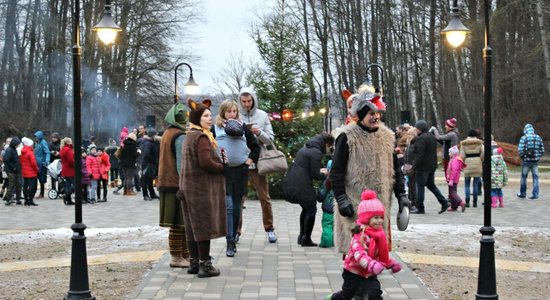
[424, 165]
[12, 167]
[128, 163]
[149, 164]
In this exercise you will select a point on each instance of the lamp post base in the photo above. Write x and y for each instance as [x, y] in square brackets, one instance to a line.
[78, 287]
[487, 284]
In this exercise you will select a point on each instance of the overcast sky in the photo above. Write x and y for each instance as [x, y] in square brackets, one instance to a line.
[225, 31]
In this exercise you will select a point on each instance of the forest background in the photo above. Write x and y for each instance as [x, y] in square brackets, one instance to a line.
[309, 52]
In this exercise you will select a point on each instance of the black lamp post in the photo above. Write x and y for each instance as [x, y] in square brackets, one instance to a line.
[79, 285]
[191, 87]
[486, 281]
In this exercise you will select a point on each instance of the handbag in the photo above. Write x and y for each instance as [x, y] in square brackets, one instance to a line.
[271, 160]
[118, 152]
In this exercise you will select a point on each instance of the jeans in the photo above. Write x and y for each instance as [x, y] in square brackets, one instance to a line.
[426, 179]
[525, 168]
[236, 179]
[477, 181]
[92, 188]
[69, 188]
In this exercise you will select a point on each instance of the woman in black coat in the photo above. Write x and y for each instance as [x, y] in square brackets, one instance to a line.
[298, 184]
[128, 160]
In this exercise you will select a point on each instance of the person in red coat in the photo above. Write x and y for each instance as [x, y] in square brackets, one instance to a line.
[29, 171]
[93, 165]
[67, 168]
[104, 168]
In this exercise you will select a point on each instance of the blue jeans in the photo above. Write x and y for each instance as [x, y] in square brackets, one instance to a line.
[467, 180]
[525, 168]
[426, 179]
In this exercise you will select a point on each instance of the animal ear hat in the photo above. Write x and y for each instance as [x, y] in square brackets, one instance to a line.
[197, 109]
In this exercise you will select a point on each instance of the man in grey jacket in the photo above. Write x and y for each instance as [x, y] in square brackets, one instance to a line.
[250, 113]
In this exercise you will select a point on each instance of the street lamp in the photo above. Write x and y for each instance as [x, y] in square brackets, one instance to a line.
[486, 280]
[191, 87]
[79, 285]
[455, 32]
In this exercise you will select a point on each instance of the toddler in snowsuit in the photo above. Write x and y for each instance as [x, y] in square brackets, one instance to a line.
[326, 197]
[368, 253]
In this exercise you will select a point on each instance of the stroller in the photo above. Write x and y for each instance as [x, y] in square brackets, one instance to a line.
[54, 170]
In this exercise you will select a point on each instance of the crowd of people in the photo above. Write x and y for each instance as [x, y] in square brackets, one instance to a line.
[199, 166]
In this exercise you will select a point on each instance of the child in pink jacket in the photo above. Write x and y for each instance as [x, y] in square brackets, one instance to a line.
[456, 164]
[368, 253]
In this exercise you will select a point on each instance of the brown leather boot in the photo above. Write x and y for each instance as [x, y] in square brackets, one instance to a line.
[131, 192]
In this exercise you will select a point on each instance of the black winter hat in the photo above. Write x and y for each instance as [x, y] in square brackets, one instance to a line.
[421, 125]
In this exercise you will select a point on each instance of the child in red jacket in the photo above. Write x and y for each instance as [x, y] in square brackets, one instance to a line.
[29, 171]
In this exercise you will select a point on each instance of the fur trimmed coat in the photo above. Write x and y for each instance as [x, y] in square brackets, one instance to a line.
[371, 164]
[202, 189]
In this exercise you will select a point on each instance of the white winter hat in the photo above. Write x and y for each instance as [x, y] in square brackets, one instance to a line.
[27, 142]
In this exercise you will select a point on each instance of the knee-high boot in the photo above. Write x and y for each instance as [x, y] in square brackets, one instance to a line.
[302, 219]
[309, 222]
[494, 200]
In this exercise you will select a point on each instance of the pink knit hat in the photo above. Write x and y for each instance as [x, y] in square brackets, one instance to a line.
[369, 207]
[451, 122]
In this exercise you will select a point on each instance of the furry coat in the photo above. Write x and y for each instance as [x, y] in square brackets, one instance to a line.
[202, 190]
[370, 165]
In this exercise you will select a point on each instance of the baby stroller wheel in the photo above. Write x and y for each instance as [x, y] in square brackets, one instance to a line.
[52, 194]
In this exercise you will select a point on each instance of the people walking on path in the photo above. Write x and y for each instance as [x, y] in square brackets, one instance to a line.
[251, 113]
[202, 190]
[453, 177]
[368, 252]
[149, 164]
[12, 167]
[128, 160]
[67, 169]
[499, 178]
[104, 167]
[448, 139]
[298, 183]
[530, 149]
[170, 161]
[425, 163]
[29, 171]
[243, 150]
[42, 154]
[472, 151]
[55, 147]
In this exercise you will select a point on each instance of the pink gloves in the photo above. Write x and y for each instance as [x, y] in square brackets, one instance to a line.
[451, 183]
[394, 266]
[375, 267]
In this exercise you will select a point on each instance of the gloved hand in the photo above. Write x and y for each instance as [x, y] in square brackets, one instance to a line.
[403, 200]
[432, 129]
[375, 267]
[344, 206]
[394, 266]
[451, 183]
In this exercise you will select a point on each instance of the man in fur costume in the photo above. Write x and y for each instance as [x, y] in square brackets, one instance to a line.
[364, 158]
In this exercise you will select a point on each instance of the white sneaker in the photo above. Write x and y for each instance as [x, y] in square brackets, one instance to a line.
[271, 236]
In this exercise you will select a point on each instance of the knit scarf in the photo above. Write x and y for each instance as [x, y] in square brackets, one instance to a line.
[208, 134]
[378, 242]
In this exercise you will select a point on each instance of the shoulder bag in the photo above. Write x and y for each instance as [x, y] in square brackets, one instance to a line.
[271, 160]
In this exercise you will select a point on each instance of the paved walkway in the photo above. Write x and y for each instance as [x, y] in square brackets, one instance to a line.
[282, 270]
